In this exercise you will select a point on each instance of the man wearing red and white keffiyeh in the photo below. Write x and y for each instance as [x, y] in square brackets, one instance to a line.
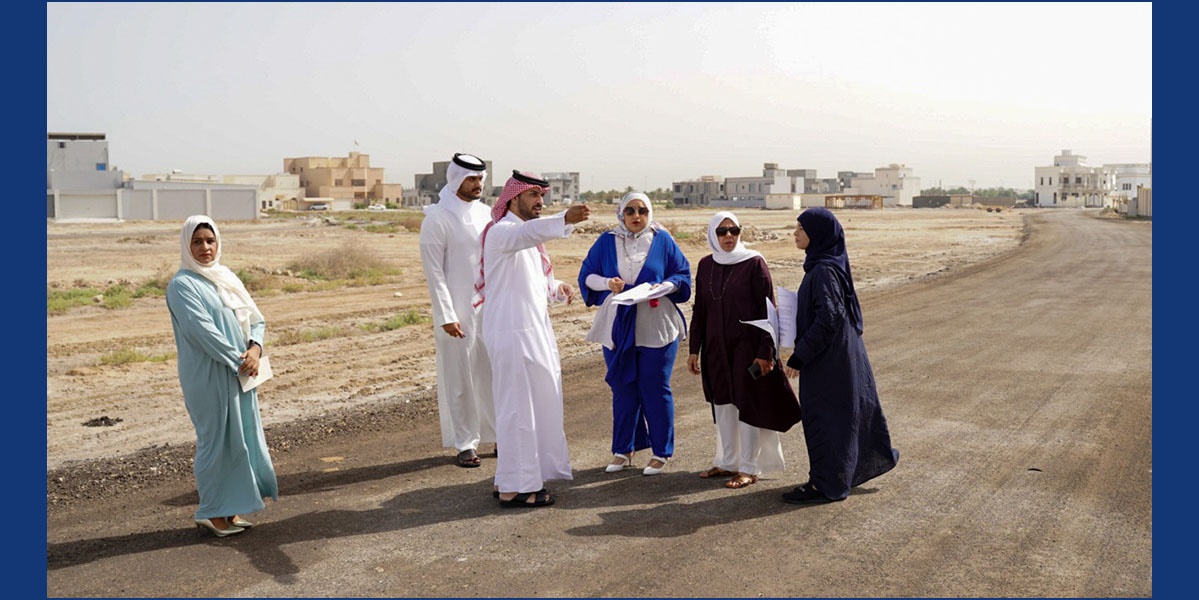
[514, 289]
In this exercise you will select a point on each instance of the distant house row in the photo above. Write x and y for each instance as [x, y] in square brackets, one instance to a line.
[81, 183]
[1068, 183]
[792, 189]
[564, 186]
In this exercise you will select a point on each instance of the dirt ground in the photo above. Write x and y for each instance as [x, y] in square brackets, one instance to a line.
[140, 406]
[1012, 351]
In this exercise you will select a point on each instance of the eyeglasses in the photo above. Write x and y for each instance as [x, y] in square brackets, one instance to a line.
[630, 211]
[722, 231]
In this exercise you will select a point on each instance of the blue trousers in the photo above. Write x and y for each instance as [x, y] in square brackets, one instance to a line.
[643, 409]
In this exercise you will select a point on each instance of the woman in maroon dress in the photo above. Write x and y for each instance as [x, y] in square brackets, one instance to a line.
[732, 285]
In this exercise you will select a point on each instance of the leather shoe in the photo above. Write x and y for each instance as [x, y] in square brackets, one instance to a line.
[807, 493]
[207, 524]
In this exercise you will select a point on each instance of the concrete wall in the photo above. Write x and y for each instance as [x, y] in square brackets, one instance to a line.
[82, 205]
[794, 201]
[1142, 205]
[736, 204]
[784, 201]
[83, 181]
[152, 204]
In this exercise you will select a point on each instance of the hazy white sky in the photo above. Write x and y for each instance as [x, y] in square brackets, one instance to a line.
[627, 94]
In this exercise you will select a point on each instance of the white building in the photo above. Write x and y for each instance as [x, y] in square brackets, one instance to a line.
[1071, 183]
[894, 182]
[752, 192]
[564, 187]
[1129, 178]
[797, 188]
[744, 192]
[81, 184]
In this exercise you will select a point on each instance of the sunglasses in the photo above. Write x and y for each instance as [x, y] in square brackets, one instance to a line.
[722, 231]
[630, 211]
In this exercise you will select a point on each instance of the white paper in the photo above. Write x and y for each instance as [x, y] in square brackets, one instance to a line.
[264, 373]
[641, 293]
[788, 306]
[770, 324]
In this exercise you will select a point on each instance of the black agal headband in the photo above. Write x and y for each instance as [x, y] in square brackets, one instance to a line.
[469, 161]
[529, 179]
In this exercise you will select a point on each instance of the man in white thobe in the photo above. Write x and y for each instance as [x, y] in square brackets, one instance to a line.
[515, 287]
[450, 251]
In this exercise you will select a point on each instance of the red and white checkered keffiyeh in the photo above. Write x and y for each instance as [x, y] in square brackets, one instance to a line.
[512, 188]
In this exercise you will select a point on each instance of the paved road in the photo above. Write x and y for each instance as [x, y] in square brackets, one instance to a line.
[1018, 393]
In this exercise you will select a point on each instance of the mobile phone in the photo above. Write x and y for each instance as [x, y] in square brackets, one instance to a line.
[755, 370]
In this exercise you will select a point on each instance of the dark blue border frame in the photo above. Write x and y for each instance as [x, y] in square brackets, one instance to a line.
[1174, 306]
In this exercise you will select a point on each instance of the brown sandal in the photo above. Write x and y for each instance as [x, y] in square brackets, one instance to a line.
[739, 481]
[715, 472]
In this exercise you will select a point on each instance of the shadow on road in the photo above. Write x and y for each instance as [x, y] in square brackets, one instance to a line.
[310, 482]
[655, 511]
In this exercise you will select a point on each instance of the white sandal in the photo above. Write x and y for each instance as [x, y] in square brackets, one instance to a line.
[620, 466]
[655, 470]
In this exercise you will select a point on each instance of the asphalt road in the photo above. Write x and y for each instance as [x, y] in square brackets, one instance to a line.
[1018, 393]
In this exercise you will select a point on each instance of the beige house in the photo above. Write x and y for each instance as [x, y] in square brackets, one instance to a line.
[349, 179]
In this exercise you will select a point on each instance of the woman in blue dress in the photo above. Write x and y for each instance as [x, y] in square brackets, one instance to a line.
[640, 340]
[218, 335]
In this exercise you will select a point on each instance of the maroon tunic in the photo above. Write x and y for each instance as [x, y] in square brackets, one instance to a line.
[725, 295]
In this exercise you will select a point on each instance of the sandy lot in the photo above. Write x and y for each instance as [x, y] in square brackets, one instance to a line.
[362, 365]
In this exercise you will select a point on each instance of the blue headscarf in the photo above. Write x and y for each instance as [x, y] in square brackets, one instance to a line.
[827, 246]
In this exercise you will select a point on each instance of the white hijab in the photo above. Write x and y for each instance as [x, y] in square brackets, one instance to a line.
[651, 226]
[231, 290]
[739, 252]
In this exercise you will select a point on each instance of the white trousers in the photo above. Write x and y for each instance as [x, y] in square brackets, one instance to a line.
[744, 448]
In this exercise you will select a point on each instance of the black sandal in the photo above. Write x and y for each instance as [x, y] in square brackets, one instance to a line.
[806, 493]
[496, 493]
[468, 458]
[521, 500]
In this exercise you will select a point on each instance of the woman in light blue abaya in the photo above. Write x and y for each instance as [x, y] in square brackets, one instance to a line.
[218, 334]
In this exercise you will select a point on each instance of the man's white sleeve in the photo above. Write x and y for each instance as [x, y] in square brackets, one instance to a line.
[432, 260]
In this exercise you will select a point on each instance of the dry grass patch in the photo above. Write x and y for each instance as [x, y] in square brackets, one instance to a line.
[126, 356]
[351, 262]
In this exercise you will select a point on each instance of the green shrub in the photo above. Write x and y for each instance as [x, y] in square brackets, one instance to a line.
[154, 287]
[404, 319]
[117, 296]
[60, 301]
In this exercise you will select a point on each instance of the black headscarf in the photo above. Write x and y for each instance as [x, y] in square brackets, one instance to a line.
[827, 246]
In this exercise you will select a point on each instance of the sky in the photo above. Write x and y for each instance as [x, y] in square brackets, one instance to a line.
[626, 94]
